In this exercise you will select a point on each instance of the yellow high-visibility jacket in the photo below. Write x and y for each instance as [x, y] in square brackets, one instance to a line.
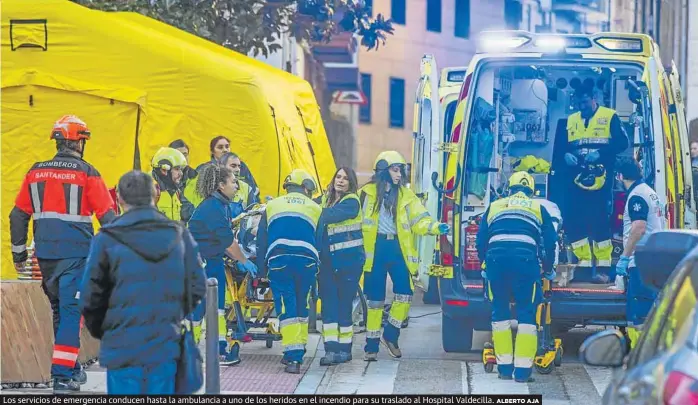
[412, 218]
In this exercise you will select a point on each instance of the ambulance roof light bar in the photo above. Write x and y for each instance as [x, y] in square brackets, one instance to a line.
[523, 41]
[499, 41]
[615, 44]
[550, 43]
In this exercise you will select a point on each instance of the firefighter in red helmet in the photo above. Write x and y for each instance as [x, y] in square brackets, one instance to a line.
[61, 195]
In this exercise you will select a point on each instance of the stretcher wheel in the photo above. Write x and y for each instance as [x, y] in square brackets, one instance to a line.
[558, 357]
[270, 343]
[489, 367]
[545, 370]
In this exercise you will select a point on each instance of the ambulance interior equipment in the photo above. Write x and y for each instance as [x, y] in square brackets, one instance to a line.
[519, 122]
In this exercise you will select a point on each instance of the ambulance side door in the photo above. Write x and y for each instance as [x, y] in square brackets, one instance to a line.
[425, 158]
[677, 111]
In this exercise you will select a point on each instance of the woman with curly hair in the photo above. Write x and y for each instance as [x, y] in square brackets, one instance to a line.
[210, 226]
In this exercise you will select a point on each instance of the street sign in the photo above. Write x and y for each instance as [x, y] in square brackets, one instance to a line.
[349, 97]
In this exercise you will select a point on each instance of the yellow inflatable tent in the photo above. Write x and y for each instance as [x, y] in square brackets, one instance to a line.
[303, 107]
[136, 89]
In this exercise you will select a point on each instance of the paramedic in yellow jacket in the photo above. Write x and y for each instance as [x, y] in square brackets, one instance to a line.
[246, 195]
[287, 253]
[392, 215]
[168, 164]
[595, 137]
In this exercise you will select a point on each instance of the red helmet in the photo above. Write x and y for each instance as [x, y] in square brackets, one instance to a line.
[70, 128]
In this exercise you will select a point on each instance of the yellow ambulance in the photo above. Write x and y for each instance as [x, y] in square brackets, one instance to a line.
[514, 102]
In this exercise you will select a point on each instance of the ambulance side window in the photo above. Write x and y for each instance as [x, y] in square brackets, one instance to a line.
[449, 114]
[480, 138]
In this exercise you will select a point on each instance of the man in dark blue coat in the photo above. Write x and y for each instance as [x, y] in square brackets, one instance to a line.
[143, 276]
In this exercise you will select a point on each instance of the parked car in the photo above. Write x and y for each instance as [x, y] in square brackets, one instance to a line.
[662, 368]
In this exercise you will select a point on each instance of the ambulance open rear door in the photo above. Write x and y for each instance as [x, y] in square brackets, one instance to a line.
[425, 157]
[677, 114]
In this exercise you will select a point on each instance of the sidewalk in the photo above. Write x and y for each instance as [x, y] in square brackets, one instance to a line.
[260, 372]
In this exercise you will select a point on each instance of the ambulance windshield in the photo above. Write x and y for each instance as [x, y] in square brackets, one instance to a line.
[518, 120]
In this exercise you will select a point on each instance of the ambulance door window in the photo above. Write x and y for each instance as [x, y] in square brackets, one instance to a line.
[480, 138]
[449, 114]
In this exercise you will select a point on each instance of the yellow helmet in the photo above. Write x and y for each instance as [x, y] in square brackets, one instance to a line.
[167, 158]
[301, 178]
[522, 179]
[592, 178]
[387, 159]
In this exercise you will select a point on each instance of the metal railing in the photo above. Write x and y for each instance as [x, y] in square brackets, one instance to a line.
[213, 378]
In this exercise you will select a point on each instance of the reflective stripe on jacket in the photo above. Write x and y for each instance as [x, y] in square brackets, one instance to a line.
[597, 133]
[412, 218]
[291, 222]
[344, 242]
[517, 225]
[60, 195]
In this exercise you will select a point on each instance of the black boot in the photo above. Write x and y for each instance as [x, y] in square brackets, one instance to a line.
[393, 348]
[342, 357]
[293, 367]
[328, 359]
[65, 386]
[80, 375]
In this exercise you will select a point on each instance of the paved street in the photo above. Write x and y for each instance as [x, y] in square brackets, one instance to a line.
[424, 369]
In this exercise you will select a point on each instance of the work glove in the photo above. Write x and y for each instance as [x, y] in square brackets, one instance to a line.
[550, 275]
[619, 284]
[592, 156]
[248, 267]
[443, 229]
[622, 266]
[571, 159]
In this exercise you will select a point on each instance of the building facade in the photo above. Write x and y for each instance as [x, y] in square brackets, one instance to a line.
[329, 67]
[558, 16]
[673, 24]
[446, 29]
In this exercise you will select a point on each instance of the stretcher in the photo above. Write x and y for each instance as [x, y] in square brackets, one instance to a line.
[549, 352]
[249, 301]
